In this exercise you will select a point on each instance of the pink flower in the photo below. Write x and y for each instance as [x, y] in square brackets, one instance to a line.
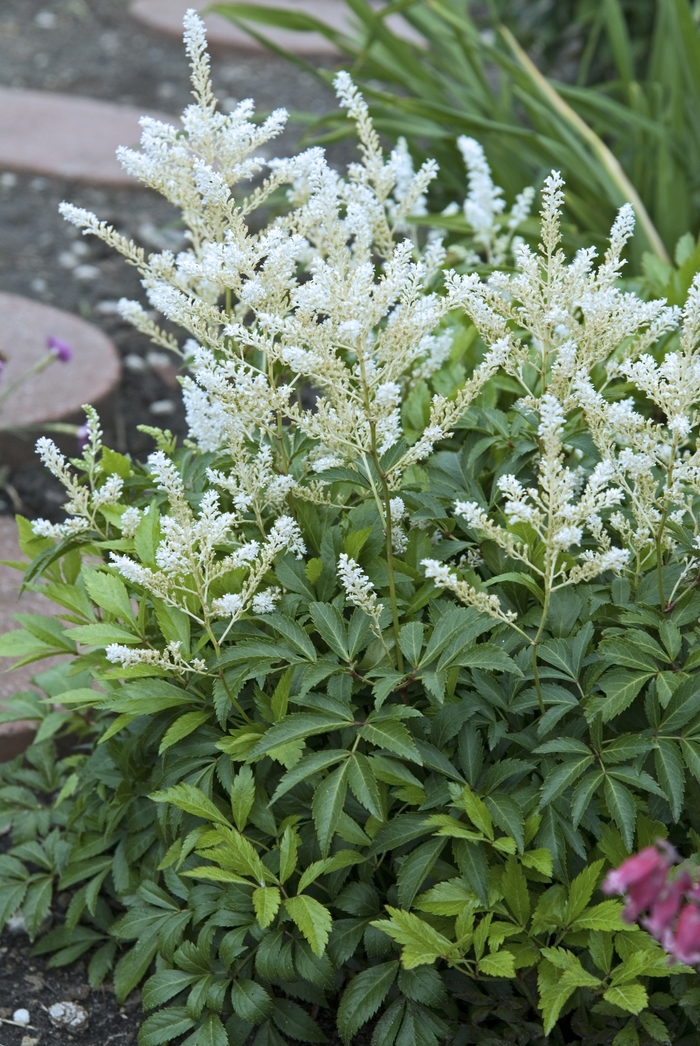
[642, 877]
[59, 348]
[666, 907]
[685, 944]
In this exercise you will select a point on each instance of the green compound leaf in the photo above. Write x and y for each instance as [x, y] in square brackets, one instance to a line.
[421, 942]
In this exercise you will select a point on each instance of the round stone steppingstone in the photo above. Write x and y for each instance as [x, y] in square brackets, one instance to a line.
[166, 16]
[15, 737]
[58, 392]
[64, 136]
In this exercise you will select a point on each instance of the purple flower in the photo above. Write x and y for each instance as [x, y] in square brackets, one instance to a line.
[59, 348]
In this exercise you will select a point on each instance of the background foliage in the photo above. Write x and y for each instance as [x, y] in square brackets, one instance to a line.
[619, 118]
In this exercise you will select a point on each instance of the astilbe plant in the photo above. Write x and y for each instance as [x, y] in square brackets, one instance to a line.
[373, 677]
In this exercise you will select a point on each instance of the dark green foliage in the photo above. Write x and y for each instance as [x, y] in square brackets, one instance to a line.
[304, 828]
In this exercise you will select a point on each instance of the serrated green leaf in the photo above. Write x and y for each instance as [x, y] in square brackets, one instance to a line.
[313, 920]
[622, 808]
[630, 997]
[671, 773]
[193, 801]
[165, 1025]
[498, 964]
[515, 891]
[327, 805]
[165, 985]
[364, 785]
[266, 902]
[411, 641]
[421, 942]
[250, 1001]
[363, 996]
[182, 727]
[393, 735]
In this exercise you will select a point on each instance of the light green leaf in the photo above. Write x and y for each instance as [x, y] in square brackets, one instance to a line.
[581, 890]
[477, 811]
[193, 801]
[109, 592]
[242, 796]
[266, 902]
[313, 920]
[540, 860]
[421, 942]
[182, 727]
[630, 997]
[498, 964]
[603, 916]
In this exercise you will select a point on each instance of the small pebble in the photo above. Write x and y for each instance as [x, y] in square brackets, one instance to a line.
[134, 362]
[39, 285]
[16, 923]
[8, 180]
[21, 1016]
[162, 407]
[158, 360]
[108, 308]
[68, 1015]
[45, 19]
[86, 272]
[67, 260]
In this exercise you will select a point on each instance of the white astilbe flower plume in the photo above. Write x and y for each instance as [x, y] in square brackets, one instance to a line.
[359, 589]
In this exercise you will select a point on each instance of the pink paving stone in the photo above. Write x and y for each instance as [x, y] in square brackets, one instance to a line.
[166, 16]
[14, 737]
[58, 392]
[64, 136]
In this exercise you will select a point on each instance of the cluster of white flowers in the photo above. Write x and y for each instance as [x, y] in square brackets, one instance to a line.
[85, 499]
[170, 659]
[337, 296]
[197, 550]
[493, 230]
[359, 589]
[443, 577]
